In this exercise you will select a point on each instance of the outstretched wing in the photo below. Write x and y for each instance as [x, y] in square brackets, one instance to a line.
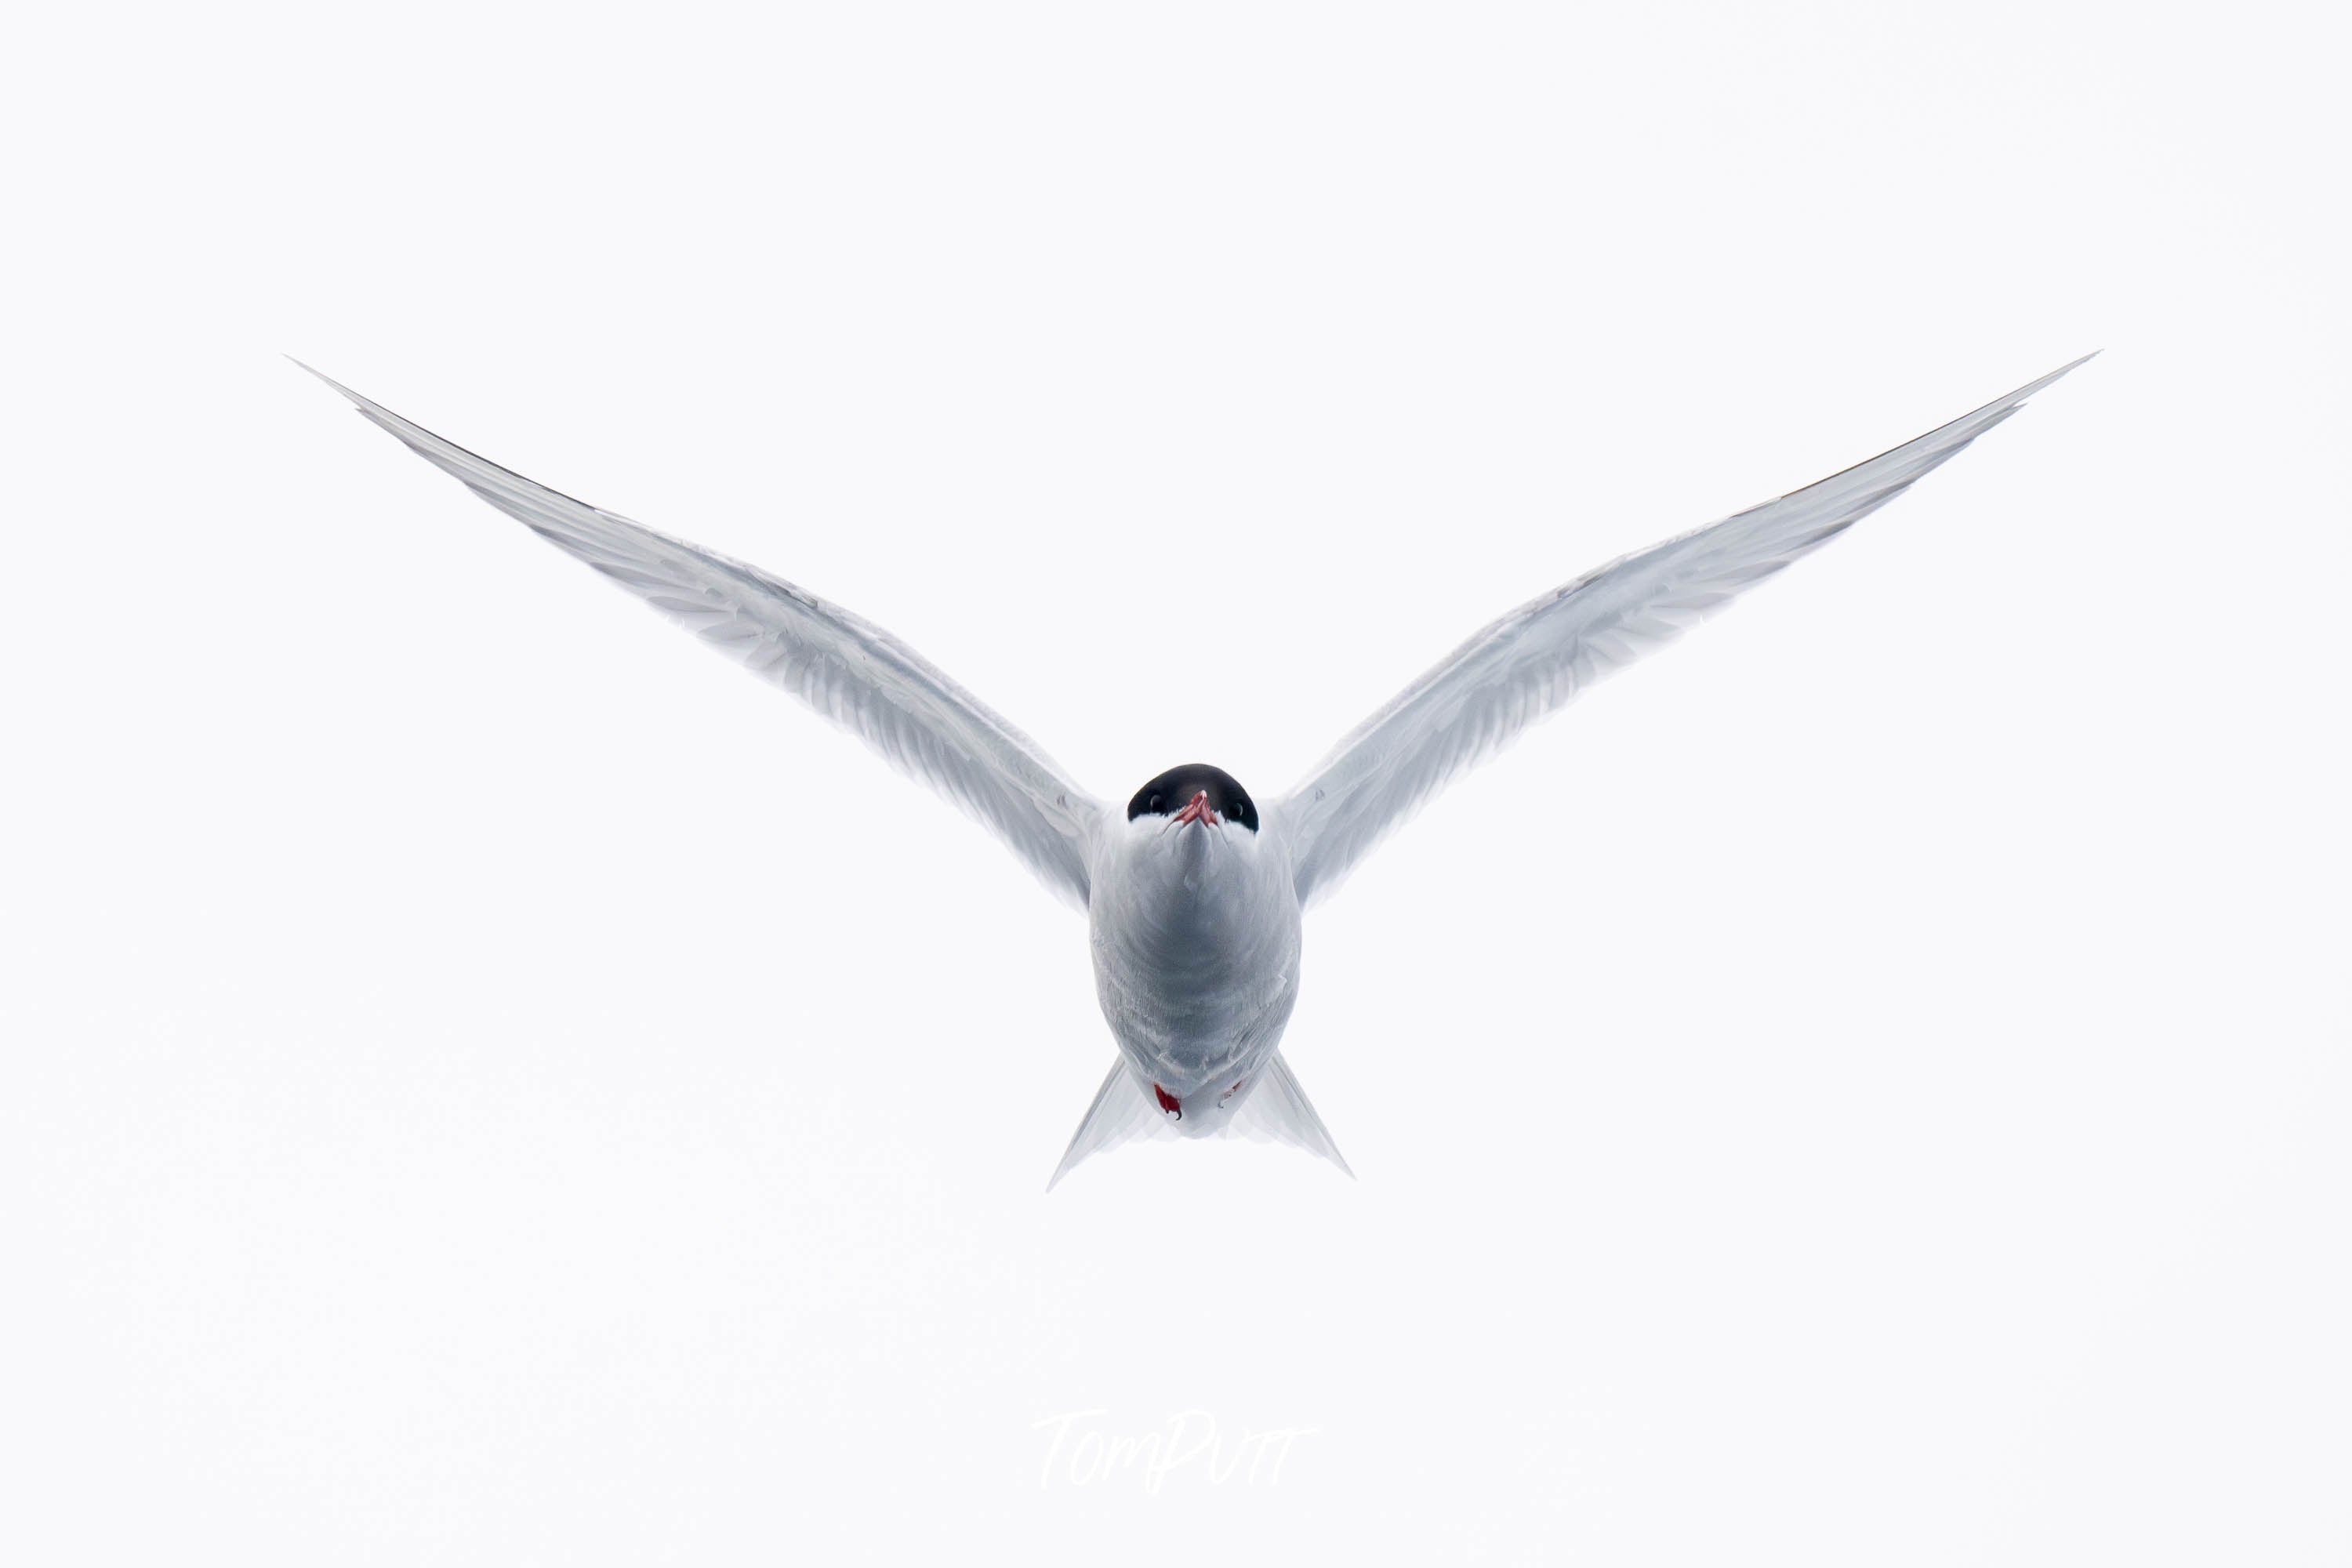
[1530, 663]
[851, 671]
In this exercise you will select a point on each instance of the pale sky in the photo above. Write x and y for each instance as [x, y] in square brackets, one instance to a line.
[489, 1083]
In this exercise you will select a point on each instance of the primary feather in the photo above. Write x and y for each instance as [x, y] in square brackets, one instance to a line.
[1533, 660]
[850, 670]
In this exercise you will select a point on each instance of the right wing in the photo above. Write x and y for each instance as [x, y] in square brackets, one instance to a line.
[1530, 663]
[850, 670]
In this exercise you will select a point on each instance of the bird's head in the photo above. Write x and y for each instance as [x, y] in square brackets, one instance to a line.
[1195, 798]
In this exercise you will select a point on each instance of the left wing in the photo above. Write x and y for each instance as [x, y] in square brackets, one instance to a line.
[1530, 663]
[850, 670]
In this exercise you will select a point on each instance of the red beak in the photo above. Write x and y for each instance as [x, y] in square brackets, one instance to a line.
[1197, 809]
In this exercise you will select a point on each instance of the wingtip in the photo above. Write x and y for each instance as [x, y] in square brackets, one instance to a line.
[330, 380]
[2031, 387]
[365, 404]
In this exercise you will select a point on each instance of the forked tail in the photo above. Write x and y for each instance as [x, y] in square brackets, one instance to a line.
[1279, 1113]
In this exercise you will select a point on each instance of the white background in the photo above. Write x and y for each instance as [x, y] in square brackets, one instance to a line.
[485, 1083]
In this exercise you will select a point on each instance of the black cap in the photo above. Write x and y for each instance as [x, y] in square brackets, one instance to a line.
[1173, 790]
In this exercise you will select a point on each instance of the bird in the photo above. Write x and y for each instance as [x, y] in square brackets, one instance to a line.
[1194, 889]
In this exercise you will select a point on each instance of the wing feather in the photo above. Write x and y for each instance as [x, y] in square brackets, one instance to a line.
[1533, 660]
[848, 670]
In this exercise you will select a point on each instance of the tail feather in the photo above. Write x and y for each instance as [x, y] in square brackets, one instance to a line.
[1119, 1115]
[1278, 1111]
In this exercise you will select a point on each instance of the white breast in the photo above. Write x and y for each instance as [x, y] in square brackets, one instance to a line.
[1196, 938]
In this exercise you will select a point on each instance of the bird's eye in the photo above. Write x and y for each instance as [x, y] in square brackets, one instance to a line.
[1217, 791]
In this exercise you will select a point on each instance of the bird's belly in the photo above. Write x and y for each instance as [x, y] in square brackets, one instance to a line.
[1186, 1013]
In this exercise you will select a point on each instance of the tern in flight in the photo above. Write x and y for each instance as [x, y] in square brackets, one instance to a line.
[1193, 888]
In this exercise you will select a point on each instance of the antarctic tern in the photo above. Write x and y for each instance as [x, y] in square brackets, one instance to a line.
[1194, 890]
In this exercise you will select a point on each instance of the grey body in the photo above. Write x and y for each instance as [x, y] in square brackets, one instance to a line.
[1195, 929]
